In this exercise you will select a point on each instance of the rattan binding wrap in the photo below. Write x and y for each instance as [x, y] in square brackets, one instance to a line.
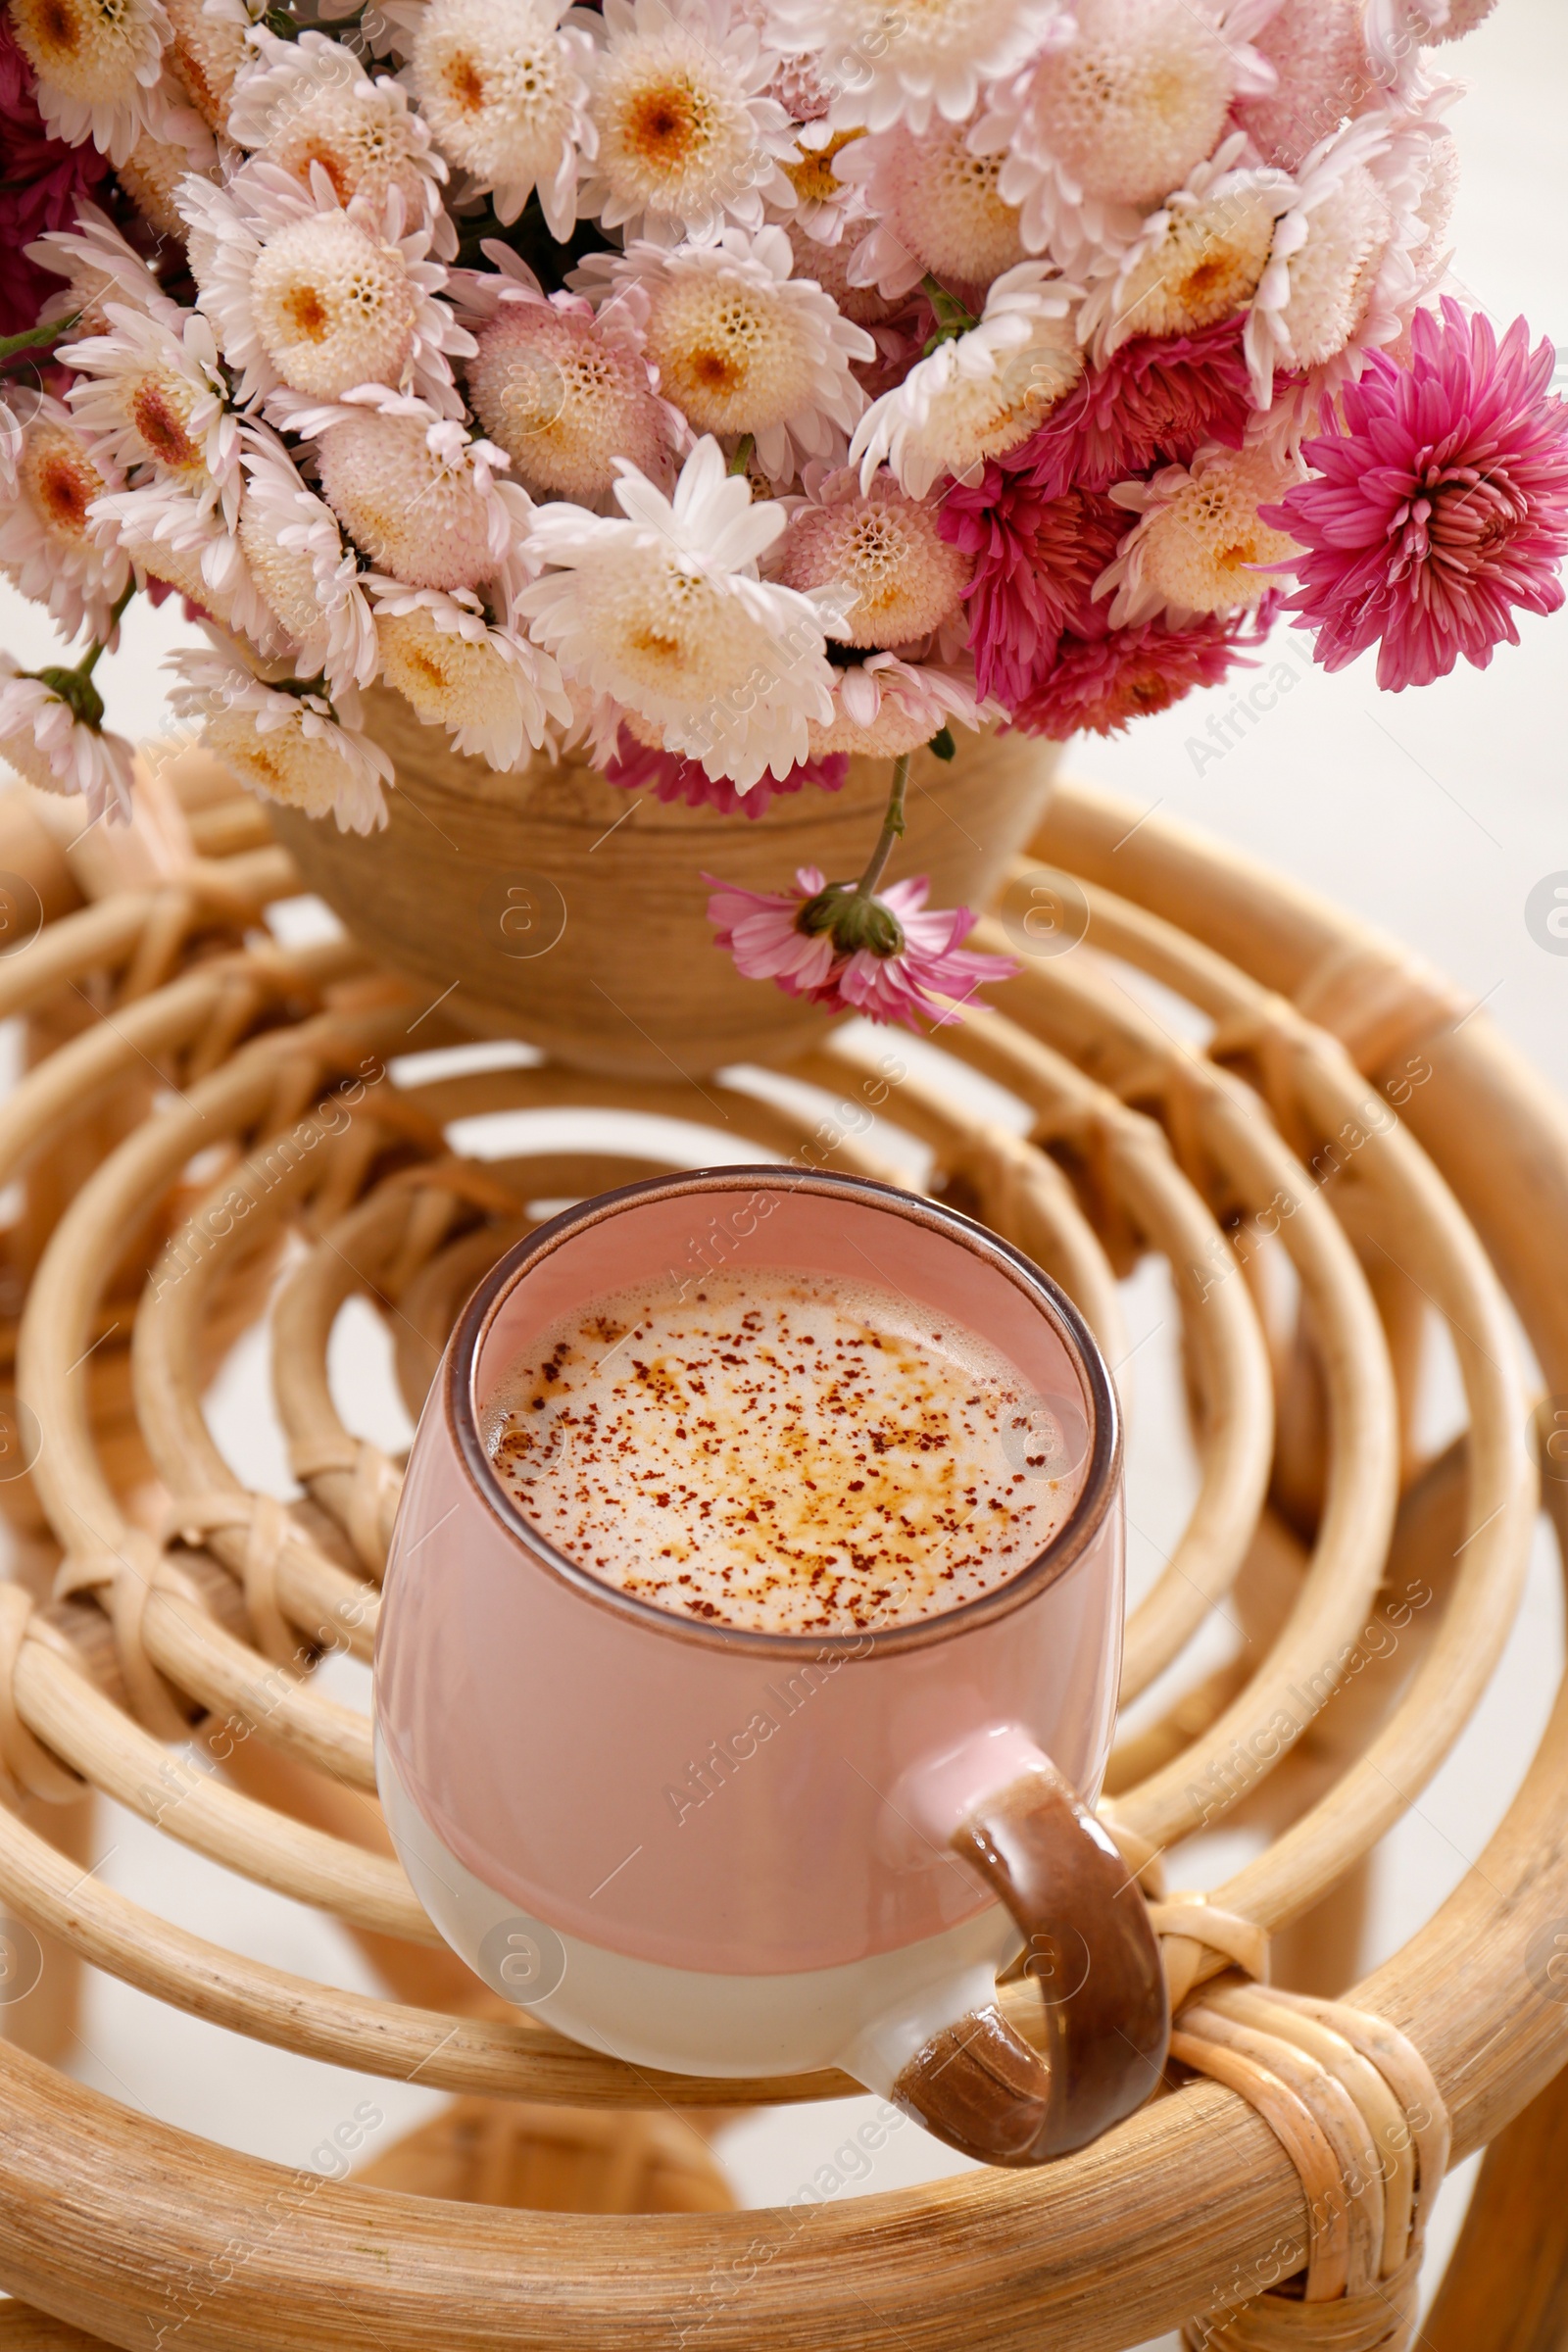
[288, 1129]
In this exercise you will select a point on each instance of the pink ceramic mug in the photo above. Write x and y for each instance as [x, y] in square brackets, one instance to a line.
[737, 1854]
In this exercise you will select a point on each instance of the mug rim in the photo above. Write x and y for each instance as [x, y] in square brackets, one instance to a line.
[1072, 1540]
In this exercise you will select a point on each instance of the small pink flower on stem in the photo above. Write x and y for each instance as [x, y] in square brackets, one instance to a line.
[1437, 507]
[853, 947]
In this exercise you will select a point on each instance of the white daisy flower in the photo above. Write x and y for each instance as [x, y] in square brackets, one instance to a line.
[152, 173]
[306, 294]
[98, 267]
[938, 209]
[741, 345]
[52, 734]
[898, 579]
[158, 397]
[49, 549]
[415, 492]
[665, 611]
[885, 707]
[1129, 98]
[1199, 260]
[981, 393]
[686, 138]
[1199, 545]
[208, 53]
[888, 63]
[311, 101]
[1356, 251]
[98, 64]
[169, 536]
[565, 391]
[286, 741]
[493, 690]
[302, 570]
[825, 203]
[504, 89]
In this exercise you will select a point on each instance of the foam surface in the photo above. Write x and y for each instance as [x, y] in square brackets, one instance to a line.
[786, 1454]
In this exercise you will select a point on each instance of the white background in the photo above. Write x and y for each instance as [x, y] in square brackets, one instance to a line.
[1431, 813]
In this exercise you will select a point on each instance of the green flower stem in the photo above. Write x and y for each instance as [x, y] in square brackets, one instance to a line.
[891, 829]
[743, 452]
[951, 316]
[36, 338]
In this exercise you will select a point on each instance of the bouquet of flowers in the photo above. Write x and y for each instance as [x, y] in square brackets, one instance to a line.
[724, 387]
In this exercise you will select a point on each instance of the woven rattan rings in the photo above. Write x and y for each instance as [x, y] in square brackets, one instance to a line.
[1327, 1150]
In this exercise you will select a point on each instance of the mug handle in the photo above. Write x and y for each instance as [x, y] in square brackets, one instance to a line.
[977, 2085]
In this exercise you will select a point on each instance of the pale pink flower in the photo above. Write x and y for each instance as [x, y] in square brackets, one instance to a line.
[803, 942]
[1439, 504]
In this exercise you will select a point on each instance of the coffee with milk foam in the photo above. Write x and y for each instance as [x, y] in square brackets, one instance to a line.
[787, 1453]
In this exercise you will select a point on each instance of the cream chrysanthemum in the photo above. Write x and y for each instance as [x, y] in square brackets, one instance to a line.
[157, 398]
[897, 579]
[46, 743]
[1356, 252]
[209, 51]
[1199, 545]
[304, 572]
[978, 394]
[48, 547]
[494, 690]
[152, 173]
[1128, 97]
[414, 493]
[891, 65]
[98, 64]
[937, 210]
[562, 390]
[884, 706]
[310, 102]
[169, 536]
[503, 88]
[739, 345]
[685, 137]
[321, 300]
[823, 202]
[1197, 261]
[99, 266]
[665, 611]
[293, 745]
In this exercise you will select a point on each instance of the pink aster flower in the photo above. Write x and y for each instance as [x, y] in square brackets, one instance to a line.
[1099, 684]
[1036, 559]
[885, 957]
[40, 180]
[641, 767]
[1156, 398]
[1439, 504]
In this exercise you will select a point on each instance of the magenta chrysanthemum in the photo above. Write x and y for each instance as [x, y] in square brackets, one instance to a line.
[40, 180]
[1099, 685]
[1437, 507]
[1036, 559]
[762, 930]
[643, 767]
[1155, 399]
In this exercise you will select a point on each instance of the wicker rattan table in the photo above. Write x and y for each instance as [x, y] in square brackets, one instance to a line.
[1328, 1147]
